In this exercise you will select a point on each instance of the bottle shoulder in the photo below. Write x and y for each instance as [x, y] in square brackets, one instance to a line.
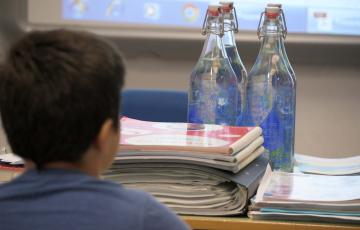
[271, 64]
[212, 69]
[273, 76]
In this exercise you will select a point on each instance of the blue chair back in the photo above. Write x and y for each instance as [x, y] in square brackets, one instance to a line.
[155, 105]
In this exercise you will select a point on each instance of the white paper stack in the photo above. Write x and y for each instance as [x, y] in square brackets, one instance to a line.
[193, 189]
[295, 196]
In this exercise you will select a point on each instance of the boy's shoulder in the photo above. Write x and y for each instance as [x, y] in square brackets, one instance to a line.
[83, 198]
[66, 185]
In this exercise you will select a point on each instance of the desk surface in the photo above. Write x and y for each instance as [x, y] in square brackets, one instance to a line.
[244, 223]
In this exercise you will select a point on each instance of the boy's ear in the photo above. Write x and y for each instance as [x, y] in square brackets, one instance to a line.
[104, 135]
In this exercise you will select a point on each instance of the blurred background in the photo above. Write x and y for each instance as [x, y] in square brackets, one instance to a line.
[161, 41]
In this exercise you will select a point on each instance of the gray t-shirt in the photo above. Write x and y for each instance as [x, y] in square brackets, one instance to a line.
[67, 199]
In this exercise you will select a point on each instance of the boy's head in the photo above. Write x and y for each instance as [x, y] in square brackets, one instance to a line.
[59, 94]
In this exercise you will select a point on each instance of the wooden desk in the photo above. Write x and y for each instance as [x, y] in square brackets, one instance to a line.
[244, 223]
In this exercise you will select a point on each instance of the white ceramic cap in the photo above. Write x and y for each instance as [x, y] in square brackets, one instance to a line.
[274, 5]
[272, 10]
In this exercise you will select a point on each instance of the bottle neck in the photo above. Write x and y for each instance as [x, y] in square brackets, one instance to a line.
[214, 47]
[229, 35]
[272, 42]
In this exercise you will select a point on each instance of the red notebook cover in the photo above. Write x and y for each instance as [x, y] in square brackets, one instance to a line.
[5, 167]
[164, 136]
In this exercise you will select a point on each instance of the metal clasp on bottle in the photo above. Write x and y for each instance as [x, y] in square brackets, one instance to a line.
[234, 22]
[206, 27]
[282, 24]
[259, 27]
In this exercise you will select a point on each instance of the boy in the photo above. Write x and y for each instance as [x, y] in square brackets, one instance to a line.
[59, 103]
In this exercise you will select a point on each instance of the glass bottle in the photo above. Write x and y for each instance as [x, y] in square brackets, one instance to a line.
[271, 94]
[230, 28]
[284, 28]
[213, 91]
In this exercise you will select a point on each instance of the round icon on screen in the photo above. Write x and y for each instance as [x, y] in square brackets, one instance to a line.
[190, 12]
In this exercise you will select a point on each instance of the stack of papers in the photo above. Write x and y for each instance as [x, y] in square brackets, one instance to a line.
[194, 169]
[223, 147]
[11, 159]
[193, 189]
[10, 167]
[294, 196]
[328, 166]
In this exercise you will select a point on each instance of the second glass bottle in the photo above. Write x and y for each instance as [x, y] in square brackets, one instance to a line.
[230, 28]
[271, 93]
[213, 92]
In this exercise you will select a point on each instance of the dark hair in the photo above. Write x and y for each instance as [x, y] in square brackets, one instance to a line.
[56, 90]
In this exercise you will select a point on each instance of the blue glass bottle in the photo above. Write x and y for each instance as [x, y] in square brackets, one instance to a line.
[282, 22]
[230, 28]
[213, 91]
[271, 94]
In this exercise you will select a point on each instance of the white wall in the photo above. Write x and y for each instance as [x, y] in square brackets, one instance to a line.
[9, 31]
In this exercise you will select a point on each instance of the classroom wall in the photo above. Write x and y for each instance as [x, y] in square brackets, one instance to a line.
[9, 31]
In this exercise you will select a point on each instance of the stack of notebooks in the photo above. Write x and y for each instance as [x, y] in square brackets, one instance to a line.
[223, 147]
[10, 167]
[307, 197]
[193, 169]
[328, 166]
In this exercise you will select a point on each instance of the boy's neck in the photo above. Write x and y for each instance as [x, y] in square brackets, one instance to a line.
[85, 168]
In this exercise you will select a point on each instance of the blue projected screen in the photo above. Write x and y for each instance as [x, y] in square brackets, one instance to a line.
[308, 16]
